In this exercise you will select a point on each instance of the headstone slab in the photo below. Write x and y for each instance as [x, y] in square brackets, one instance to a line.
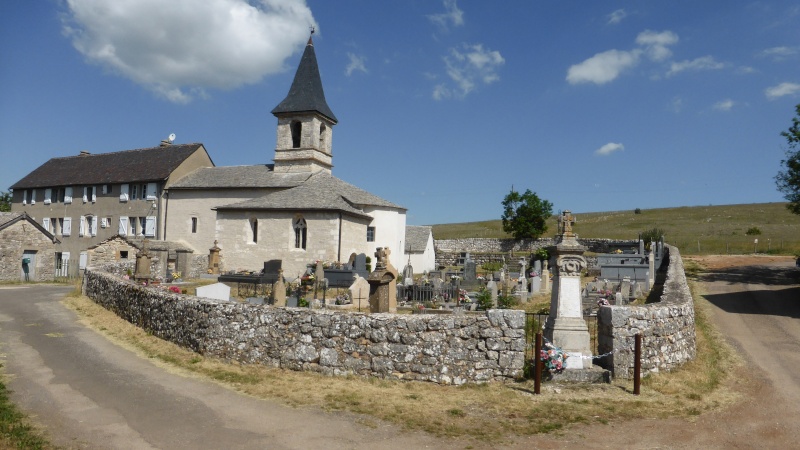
[279, 291]
[491, 286]
[217, 291]
[470, 271]
[359, 292]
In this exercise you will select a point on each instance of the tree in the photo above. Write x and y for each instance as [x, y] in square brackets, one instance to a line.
[524, 215]
[5, 201]
[788, 180]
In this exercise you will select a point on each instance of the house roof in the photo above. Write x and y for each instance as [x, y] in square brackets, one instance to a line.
[258, 176]
[10, 218]
[322, 192]
[144, 164]
[306, 93]
[417, 238]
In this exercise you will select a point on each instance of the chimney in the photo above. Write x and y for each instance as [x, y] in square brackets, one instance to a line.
[84, 153]
[165, 143]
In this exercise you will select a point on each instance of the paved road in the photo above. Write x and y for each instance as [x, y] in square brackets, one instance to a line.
[89, 393]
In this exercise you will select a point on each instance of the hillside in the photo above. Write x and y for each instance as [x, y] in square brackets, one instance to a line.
[695, 230]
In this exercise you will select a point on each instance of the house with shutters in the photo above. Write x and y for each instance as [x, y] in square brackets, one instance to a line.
[84, 199]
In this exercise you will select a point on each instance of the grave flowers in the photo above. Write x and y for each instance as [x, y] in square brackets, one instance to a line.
[553, 358]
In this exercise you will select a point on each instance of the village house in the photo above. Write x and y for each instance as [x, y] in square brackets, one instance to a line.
[27, 249]
[419, 248]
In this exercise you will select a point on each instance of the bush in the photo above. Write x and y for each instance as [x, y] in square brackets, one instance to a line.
[507, 301]
[484, 299]
[637, 211]
[652, 235]
[753, 231]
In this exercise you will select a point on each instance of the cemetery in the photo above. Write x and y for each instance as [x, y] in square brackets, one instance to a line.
[452, 326]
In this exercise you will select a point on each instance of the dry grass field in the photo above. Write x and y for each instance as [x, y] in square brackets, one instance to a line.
[695, 230]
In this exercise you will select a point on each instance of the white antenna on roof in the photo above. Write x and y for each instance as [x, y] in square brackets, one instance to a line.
[171, 138]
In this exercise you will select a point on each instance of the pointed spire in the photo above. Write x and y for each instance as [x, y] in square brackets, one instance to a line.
[306, 93]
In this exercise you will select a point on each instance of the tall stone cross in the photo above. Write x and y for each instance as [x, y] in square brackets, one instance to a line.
[382, 253]
[566, 221]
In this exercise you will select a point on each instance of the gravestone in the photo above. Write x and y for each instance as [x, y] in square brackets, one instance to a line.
[565, 326]
[408, 274]
[269, 274]
[255, 300]
[319, 276]
[536, 284]
[291, 302]
[217, 291]
[537, 266]
[641, 246]
[383, 284]
[279, 291]
[213, 259]
[523, 283]
[437, 283]
[625, 288]
[360, 265]
[651, 266]
[359, 292]
[470, 271]
[491, 286]
[618, 299]
[545, 277]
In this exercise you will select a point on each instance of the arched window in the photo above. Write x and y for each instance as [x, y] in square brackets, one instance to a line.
[300, 233]
[322, 129]
[297, 129]
[254, 229]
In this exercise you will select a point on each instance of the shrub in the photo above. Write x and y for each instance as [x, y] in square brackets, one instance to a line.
[652, 235]
[637, 211]
[484, 299]
[507, 301]
[753, 231]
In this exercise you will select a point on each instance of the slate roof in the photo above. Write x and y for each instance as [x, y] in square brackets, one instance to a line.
[306, 93]
[144, 164]
[417, 238]
[258, 176]
[322, 192]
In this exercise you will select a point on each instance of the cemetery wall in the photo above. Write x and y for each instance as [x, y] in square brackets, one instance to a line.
[490, 249]
[454, 349]
[667, 327]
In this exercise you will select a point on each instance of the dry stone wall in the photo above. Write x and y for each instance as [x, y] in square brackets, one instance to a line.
[489, 249]
[667, 327]
[453, 349]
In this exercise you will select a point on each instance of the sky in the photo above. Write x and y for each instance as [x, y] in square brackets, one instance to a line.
[444, 106]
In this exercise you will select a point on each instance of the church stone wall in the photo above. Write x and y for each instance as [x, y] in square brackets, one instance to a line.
[454, 349]
[667, 327]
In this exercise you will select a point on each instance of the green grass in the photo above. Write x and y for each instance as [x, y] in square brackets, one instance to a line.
[695, 230]
[15, 432]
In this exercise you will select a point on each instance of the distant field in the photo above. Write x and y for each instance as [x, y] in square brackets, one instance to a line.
[695, 230]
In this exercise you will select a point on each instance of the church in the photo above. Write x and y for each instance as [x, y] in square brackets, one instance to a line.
[294, 210]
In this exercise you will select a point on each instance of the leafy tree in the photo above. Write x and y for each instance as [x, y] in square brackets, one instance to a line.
[524, 215]
[788, 180]
[5, 201]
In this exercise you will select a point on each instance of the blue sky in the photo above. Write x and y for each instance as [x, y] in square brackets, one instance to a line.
[443, 105]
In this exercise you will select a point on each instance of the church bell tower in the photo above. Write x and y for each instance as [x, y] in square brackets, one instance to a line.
[305, 121]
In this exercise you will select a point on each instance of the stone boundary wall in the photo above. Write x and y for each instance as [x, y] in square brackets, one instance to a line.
[448, 250]
[667, 327]
[454, 349]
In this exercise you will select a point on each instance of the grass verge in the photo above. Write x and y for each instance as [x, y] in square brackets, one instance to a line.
[489, 412]
[15, 432]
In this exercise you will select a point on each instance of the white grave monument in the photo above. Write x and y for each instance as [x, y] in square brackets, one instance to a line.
[565, 326]
[217, 291]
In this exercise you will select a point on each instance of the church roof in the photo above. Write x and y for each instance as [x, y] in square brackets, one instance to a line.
[256, 176]
[322, 192]
[417, 238]
[306, 94]
[144, 164]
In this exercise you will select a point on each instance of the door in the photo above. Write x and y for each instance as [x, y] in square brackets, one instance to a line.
[28, 264]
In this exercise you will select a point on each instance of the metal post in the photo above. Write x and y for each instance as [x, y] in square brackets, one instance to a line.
[537, 365]
[637, 364]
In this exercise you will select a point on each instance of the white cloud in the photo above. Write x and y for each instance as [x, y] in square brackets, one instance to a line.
[655, 44]
[356, 64]
[609, 148]
[676, 105]
[602, 67]
[616, 16]
[780, 53]
[608, 65]
[782, 90]
[467, 69]
[724, 105]
[703, 63]
[179, 48]
[451, 16]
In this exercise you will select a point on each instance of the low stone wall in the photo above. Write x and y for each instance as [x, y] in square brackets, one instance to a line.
[489, 249]
[454, 349]
[667, 327]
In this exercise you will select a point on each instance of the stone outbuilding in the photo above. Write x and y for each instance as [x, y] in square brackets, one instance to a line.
[27, 250]
[167, 257]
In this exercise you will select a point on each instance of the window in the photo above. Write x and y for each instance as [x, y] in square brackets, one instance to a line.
[106, 189]
[33, 196]
[194, 224]
[54, 225]
[143, 191]
[149, 226]
[59, 197]
[142, 224]
[46, 223]
[322, 137]
[297, 129]
[300, 233]
[90, 228]
[66, 226]
[48, 194]
[68, 194]
[370, 234]
[123, 254]
[124, 192]
[254, 230]
[89, 194]
[134, 191]
[123, 226]
[152, 189]
[25, 197]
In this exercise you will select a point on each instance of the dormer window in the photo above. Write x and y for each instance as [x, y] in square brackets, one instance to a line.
[297, 130]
